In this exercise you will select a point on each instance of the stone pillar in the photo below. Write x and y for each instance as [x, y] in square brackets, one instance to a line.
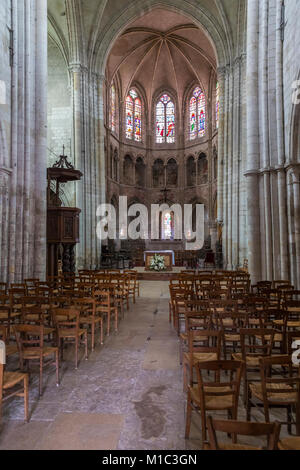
[41, 80]
[281, 175]
[221, 80]
[296, 191]
[27, 192]
[253, 160]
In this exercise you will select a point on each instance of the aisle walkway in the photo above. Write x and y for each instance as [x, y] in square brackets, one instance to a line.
[128, 395]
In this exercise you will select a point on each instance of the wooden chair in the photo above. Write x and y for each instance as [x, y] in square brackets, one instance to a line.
[254, 430]
[89, 317]
[11, 349]
[67, 323]
[30, 341]
[106, 307]
[137, 284]
[203, 346]
[255, 344]
[222, 394]
[277, 389]
[289, 443]
[196, 320]
[13, 384]
[3, 288]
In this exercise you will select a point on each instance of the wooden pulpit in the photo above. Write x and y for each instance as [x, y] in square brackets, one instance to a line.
[62, 222]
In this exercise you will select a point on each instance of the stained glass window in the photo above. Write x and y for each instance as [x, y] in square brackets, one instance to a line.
[168, 226]
[113, 108]
[165, 120]
[129, 117]
[138, 120]
[193, 118]
[197, 114]
[133, 117]
[217, 105]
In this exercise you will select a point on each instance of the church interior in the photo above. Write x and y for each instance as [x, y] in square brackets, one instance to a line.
[116, 331]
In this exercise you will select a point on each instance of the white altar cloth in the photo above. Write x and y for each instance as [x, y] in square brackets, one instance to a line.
[161, 251]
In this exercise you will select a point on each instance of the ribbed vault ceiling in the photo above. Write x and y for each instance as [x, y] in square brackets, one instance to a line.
[162, 50]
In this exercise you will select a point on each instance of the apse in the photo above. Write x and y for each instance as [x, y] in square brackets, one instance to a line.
[161, 109]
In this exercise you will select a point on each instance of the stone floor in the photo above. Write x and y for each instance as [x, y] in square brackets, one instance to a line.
[127, 396]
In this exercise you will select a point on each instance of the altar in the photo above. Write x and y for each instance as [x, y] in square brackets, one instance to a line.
[168, 255]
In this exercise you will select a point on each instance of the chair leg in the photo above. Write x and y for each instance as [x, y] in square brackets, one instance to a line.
[41, 377]
[86, 345]
[57, 368]
[203, 427]
[26, 398]
[289, 419]
[188, 416]
[248, 405]
[76, 353]
[101, 331]
[298, 419]
[108, 323]
[116, 320]
[93, 336]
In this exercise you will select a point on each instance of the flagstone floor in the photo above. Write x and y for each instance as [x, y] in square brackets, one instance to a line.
[128, 394]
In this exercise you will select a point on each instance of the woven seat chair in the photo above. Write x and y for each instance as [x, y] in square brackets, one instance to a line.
[89, 317]
[289, 443]
[13, 384]
[31, 345]
[256, 343]
[279, 388]
[67, 323]
[11, 349]
[106, 307]
[253, 430]
[222, 394]
[203, 346]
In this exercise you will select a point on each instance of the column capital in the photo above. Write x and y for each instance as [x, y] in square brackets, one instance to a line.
[77, 68]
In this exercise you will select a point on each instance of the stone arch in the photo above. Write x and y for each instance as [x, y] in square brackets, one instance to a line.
[198, 14]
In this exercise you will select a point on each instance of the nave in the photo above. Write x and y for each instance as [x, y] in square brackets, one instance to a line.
[127, 395]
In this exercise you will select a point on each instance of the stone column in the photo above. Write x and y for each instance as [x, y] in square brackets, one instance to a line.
[76, 72]
[281, 175]
[5, 174]
[253, 160]
[27, 210]
[296, 191]
[41, 81]
[221, 81]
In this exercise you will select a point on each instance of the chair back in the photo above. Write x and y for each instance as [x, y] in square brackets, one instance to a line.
[256, 342]
[270, 430]
[29, 337]
[227, 380]
[204, 341]
[280, 386]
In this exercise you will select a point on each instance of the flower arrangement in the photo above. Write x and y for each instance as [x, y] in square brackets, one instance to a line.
[158, 263]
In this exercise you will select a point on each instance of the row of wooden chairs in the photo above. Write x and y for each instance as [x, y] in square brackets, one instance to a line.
[254, 327]
[43, 324]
